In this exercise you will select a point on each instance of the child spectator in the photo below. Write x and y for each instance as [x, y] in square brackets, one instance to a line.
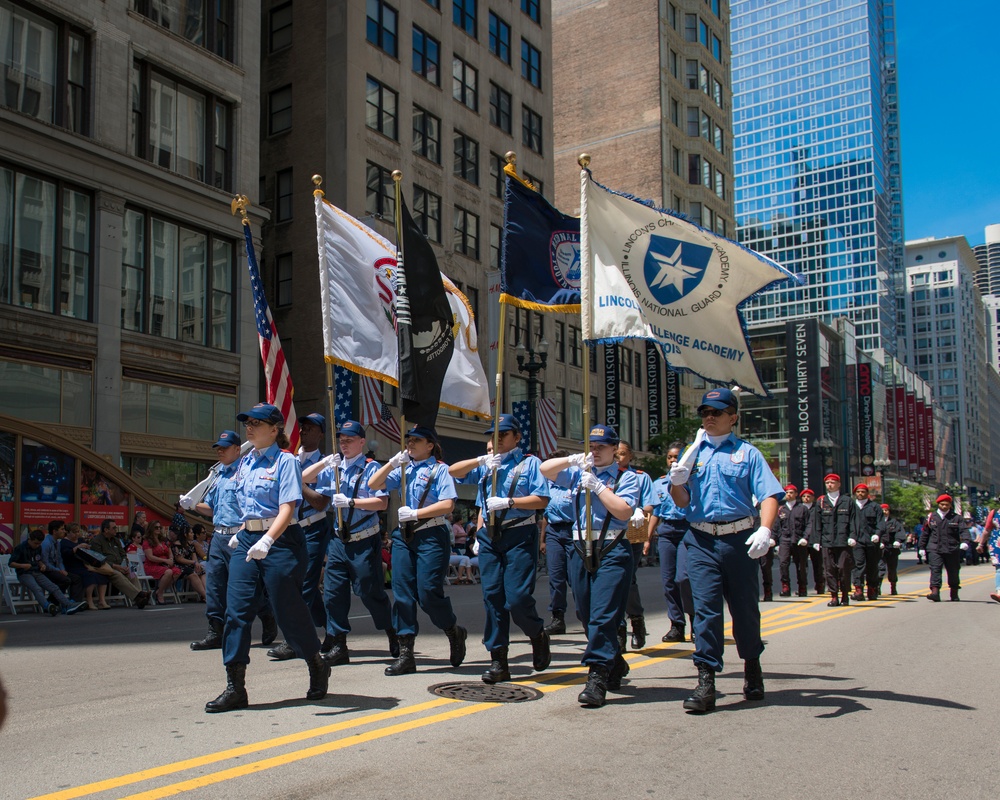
[27, 561]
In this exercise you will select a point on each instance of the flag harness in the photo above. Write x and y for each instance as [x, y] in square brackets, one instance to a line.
[410, 528]
[593, 563]
[346, 529]
[496, 528]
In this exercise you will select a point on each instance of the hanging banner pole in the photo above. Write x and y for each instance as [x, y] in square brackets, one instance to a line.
[397, 176]
[584, 162]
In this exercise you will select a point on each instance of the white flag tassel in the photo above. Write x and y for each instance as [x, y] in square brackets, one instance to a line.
[652, 275]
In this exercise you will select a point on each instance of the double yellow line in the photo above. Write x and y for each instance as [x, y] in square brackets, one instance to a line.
[784, 617]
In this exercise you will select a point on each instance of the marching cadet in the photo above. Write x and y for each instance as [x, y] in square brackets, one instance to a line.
[866, 529]
[421, 545]
[219, 504]
[800, 524]
[831, 521]
[600, 571]
[893, 538]
[269, 551]
[943, 542]
[315, 527]
[637, 534]
[354, 554]
[557, 540]
[508, 545]
[668, 525]
[718, 497]
[785, 540]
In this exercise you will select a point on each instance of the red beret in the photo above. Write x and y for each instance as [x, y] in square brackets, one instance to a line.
[809, 492]
[791, 488]
[861, 486]
[944, 498]
[833, 476]
[885, 506]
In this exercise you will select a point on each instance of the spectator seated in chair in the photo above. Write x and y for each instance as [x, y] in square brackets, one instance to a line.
[106, 545]
[159, 561]
[56, 570]
[69, 547]
[31, 571]
[190, 566]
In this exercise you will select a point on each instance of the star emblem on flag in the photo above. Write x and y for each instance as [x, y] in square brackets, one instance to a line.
[343, 385]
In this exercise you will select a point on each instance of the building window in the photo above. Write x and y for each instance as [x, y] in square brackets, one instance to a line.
[46, 244]
[426, 56]
[692, 121]
[381, 30]
[497, 175]
[675, 112]
[690, 27]
[531, 129]
[381, 104]
[530, 7]
[500, 108]
[466, 233]
[33, 389]
[283, 279]
[465, 83]
[719, 138]
[575, 348]
[694, 169]
[499, 38]
[463, 14]
[180, 127]
[531, 64]
[279, 28]
[496, 246]
[284, 195]
[703, 32]
[427, 212]
[426, 134]
[675, 160]
[380, 194]
[717, 92]
[206, 24]
[466, 158]
[716, 47]
[46, 69]
[177, 281]
[691, 73]
[560, 340]
[279, 110]
[535, 182]
[171, 411]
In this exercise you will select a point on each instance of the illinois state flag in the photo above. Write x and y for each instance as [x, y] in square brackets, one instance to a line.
[650, 275]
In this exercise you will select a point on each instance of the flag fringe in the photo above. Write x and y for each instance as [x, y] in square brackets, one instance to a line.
[573, 308]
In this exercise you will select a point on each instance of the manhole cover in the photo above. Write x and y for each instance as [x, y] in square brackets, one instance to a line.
[484, 693]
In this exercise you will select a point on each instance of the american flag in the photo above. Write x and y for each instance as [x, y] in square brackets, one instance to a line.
[546, 413]
[521, 409]
[343, 385]
[276, 376]
[374, 411]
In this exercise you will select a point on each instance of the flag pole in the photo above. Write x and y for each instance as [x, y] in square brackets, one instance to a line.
[584, 162]
[496, 402]
[397, 177]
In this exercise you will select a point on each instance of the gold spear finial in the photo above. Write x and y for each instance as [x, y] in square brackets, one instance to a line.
[240, 204]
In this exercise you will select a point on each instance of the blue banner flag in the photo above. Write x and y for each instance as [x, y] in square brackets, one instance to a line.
[540, 263]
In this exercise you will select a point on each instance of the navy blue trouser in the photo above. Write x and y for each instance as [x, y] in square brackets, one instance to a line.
[357, 567]
[667, 544]
[633, 602]
[601, 596]
[217, 580]
[418, 572]
[507, 573]
[317, 537]
[720, 570]
[558, 541]
[281, 574]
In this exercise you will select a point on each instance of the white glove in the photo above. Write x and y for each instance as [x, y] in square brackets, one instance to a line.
[995, 561]
[963, 546]
[494, 504]
[402, 457]
[333, 461]
[638, 517]
[406, 514]
[874, 538]
[187, 502]
[816, 547]
[475, 546]
[759, 541]
[851, 542]
[898, 545]
[922, 553]
[340, 500]
[589, 482]
[260, 548]
[773, 542]
[679, 474]
[582, 460]
[802, 543]
[233, 541]
[490, 461]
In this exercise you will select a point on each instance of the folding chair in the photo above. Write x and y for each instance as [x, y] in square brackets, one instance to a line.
[14, 594]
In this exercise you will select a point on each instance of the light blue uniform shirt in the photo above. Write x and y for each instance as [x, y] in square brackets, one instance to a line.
[306, 460]
[529, 482]
[417, 475]
[628, 490]
[353, 473]
[265, 481]
[726, 479]
[559, 511]
[664, 507]
[645, 488]
[221, 497]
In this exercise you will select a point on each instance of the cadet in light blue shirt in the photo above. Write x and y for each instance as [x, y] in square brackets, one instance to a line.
[557, 542]
[508, 545]
[669, 526]
[638, 537]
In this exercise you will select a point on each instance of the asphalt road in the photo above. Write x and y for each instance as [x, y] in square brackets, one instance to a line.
[891, 699]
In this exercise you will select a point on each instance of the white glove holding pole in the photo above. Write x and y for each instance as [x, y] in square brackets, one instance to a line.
[260, 548]
[494, 504]
[490, 461]
[851, 542]
[340, 500]
[402, 457]
[233, 541]
[187, 502]
[679, 474]
[582, 460]
[759, 541]
[590, 482]
[407, 514]
[333, 461]
[638, 517]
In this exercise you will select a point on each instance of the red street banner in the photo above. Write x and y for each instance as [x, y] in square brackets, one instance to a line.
[902, 459]
[911, 430]
[929, 429]
[922, 437]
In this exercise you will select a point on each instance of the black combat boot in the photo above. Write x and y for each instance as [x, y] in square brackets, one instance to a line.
[498, 670]
[954, 594]
[235, 695]
[786, 589]
[859, 594]
[596, 690]
[753, 680]
[283, 652]
[703, 698]
[270, 628]
[541, 653]
[456, 639]
[319, 677]
[622, 639]
[675, 634]
[834, 600]
[404, 663]
[338, 653]
[557, 625]
[393, 642]
[618, 671]
[638, 632]
[213, 641]
[934, 594]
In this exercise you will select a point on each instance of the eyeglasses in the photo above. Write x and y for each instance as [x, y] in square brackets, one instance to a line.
[254, 423]
[711, 412]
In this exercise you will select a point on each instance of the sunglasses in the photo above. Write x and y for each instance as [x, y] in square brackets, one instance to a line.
[711, 412]
[254, 423]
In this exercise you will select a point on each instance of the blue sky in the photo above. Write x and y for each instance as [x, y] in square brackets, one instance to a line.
[949, 69]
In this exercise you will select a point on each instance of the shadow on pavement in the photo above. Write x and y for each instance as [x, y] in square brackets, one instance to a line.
[840, 702]
[333, 704]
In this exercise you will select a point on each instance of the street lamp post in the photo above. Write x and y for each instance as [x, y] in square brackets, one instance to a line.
[881, 465]
[825, 447]
[531, 361]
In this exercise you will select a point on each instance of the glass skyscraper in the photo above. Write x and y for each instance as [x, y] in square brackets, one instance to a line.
[816, 158]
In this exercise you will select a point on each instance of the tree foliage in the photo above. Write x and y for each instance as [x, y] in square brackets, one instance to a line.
[910, 502]
[681, 429]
